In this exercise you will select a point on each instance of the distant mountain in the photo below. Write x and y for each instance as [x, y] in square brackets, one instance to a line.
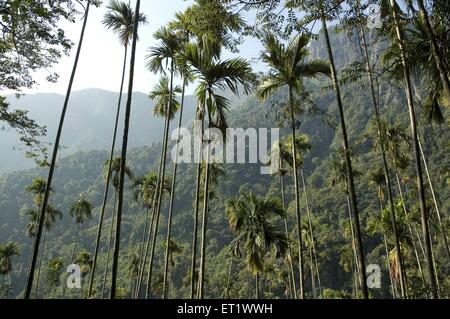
[89, 123]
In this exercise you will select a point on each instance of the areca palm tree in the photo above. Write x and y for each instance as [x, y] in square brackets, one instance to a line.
[43, 209]
[158, 57]
[288, 68]
[404, 58]
[7, 251]
[120, 19]
[80, 210]
[361, 22]
[255, 223]
[213, 75]
[115, 263]
[323, 11]
[55, 267]
[84, 260]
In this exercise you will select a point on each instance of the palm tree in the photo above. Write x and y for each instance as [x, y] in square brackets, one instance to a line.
[55, 268]
[168, 47]
[255, 223]
[400, 41]
[183, 70]
[361, 22]
[84, 260]
[436, 50]
[80, 210]
[288, 67]
[111, 171]
[115, 263]
[325, 10]
[119, 18]
[35, 250]
[7, 251]
[213, 74]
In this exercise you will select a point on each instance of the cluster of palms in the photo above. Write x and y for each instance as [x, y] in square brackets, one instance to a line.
[259, 224]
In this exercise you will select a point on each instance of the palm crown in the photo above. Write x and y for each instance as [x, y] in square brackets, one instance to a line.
[120, 18]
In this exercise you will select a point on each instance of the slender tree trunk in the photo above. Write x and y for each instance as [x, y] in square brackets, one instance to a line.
[257, 285]
[172, 196]
[108, 178]
[161, 185]
[355, 255]
[143, 263]
[108, 248]
[348, 165]
[292, 285]
[437, 54]
[115, 263]
[420, 184]
[388, 264]
[227, 289]
[35, 250]
[201, 279]
[72, 256]
[297, 199]
[313, 241]
[196, 210]
[150, 230]
[384, 161]
[44, 239]
[436, 206]
[313, 276]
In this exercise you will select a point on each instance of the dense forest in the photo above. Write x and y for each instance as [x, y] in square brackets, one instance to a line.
[358, 206]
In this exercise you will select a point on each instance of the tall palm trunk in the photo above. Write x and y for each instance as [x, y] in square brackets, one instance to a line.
[313, 241]
[384, 161]
[35, 251]
[172, 197]
[161, 184]
[44, 239]
[150, 230]
[115, 263]
[257, 285]
[230, 271]
[196, 210]
[436, 206]
[108, 247]
[297, 199]
[355, 254]
[143, 262]
[108, 178]
[388, 264]
[419, 176]
[74, 249]
[348, 165]
[437, 54]
[292, 285]
[201, 279]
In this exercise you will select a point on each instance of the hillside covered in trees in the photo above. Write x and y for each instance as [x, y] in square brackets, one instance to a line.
[357, 208]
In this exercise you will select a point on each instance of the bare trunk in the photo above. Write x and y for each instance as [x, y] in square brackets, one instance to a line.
[35, 250]
[115, 264]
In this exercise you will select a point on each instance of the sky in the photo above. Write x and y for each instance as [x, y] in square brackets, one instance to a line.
[101, 59]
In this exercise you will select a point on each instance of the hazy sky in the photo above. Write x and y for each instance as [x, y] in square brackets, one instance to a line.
[101, 58]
